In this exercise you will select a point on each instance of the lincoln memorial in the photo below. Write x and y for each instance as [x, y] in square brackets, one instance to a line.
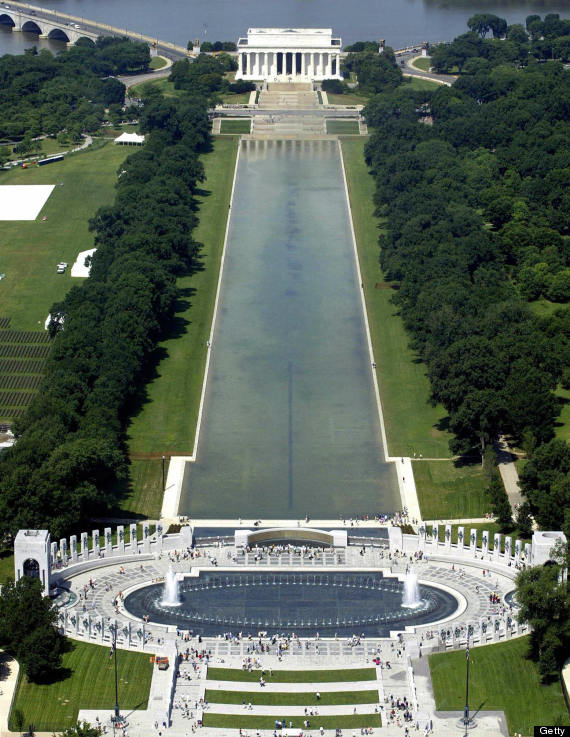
[289, 54]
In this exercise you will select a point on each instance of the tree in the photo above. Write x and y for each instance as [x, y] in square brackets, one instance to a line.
[27, 628]
[500, 504]
[544, 603]
[545, 481]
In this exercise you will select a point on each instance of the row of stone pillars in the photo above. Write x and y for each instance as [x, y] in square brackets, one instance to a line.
[302, 64]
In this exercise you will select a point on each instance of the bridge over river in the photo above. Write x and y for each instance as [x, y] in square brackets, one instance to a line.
[60, 26]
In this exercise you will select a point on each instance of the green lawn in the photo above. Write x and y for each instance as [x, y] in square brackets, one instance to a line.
[271, 698]
[89, 685]
[157, 62]
[449, 491]
[500, 678]
[162, 84]
[235, 126]
[416, 83]
[165, 421]
[347, 99]
[343, 127]
[250, 721]
[423, 63]
[6, 566]
[31, 250]
[293, 676]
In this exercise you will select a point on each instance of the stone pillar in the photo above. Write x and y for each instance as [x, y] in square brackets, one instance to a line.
[121, 539]
[84, 546]
[518, 550]
[496, 546]
[248, 63]
[485, 542]
[52, 560]
[329, 65]
[73, 545]
[527, 553]
[508, 549]
[159, 538]
[303, 60]
[448, 537]
[460, 538]
[63, 550]
[435, 535]
[146, 537]
[108, 541]
[96, 543]
[473, 542]
[338, 64]
[133, 538]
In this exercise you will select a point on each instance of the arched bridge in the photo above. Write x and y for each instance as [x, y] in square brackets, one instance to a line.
[59, 26]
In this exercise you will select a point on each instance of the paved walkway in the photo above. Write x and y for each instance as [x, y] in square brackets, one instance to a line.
[8, 679]
[509, 473]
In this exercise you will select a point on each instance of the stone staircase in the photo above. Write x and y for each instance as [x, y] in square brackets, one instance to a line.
[288, 97]
[288, 126]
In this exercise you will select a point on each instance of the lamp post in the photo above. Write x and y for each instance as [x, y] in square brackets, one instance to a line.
[117, 715]
[466, 710]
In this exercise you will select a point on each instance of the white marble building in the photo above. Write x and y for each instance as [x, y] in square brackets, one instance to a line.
[289, 55]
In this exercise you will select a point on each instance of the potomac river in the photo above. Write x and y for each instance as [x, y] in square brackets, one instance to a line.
[400, 22]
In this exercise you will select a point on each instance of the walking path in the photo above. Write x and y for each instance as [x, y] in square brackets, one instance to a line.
[509, 473]
[8, 679]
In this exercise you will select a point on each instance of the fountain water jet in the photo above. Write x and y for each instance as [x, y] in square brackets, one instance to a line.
[171, 596]
[411, 598]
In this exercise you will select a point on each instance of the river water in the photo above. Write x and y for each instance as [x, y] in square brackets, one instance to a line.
[400, 22]
[290, 424]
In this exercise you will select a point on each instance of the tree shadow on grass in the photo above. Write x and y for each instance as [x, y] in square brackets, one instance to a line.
[561, 402]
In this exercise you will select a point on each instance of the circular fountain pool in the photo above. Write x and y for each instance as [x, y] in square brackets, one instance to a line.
[332, 603]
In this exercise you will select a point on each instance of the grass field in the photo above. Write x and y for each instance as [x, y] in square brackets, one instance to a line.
[449, 491]
[346, 127]
[423, 63]
[346, 99]
[89, 684]
[31, 250]
[293, 676]
[289, 698]
[500, 678]
[6, 566]
[166, 419]
[250, 721]
[157, 62]
[422, 84]
[235, 126]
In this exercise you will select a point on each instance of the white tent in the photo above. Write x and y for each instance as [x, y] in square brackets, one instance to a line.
[130, 138]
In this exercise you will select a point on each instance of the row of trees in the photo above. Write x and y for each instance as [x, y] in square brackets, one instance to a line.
[469, 202]
[45, 94]
[206, 75]
[70, 447]
[540, 39]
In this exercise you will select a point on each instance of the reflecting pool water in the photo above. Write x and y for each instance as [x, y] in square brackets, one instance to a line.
[290, 425]
[330, 603]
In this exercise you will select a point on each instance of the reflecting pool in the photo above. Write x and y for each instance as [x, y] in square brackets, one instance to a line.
[290, 424]
[330, 603]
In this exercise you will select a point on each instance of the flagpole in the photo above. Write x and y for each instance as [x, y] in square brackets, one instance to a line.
[466, 710]
[117, 712]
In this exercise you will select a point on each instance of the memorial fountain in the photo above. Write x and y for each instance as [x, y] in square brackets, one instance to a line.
[411, 598]
[171, 591]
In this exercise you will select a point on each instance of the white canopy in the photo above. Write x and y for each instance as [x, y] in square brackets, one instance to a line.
[130, 138]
